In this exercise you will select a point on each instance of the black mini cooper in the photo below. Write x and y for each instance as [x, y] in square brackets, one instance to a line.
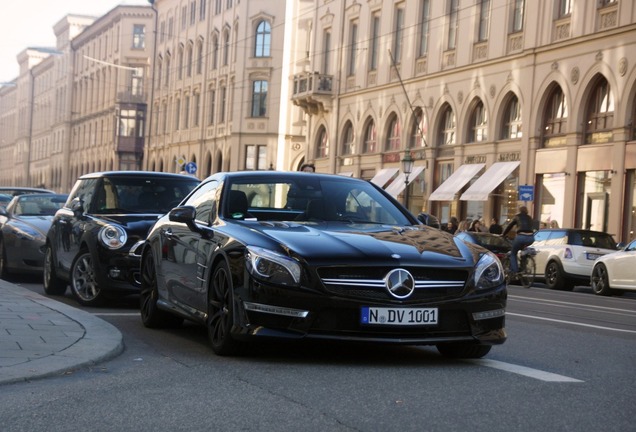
[94, 242]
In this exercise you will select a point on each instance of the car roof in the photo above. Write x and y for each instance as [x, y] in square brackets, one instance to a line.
[152, 174]
[578, 230]
[18, 190]
[278, 174]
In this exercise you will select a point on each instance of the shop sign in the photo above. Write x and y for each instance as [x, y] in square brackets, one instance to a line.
[475, 159]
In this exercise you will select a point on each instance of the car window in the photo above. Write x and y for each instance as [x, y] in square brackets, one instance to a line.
[631, 246]
[38, 205]
[204, 201]
[557, 237]
[540, 236]
[84, 190]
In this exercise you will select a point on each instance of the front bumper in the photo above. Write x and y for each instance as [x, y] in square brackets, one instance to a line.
[119, 270]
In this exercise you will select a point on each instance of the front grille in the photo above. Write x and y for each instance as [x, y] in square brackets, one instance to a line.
[368, 283]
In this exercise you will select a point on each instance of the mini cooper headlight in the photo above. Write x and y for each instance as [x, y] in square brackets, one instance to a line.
[113, 236]
[272, 266]
[488, 272]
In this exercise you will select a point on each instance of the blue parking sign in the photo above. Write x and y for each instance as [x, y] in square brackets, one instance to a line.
[526, 192]
[191, 167]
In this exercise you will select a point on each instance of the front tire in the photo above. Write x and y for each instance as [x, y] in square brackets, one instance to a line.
[151, 315]
[84, 287]
[600, 281]
[221, 312]
[528, 272]
[52, 284]
[554, 277]
[463, 351]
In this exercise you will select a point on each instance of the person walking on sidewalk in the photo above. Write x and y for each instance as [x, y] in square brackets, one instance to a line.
[524, 237]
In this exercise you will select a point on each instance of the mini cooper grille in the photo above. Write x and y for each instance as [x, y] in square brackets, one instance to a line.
[368, 283]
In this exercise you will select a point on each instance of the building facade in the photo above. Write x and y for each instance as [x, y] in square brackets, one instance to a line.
[487, 96]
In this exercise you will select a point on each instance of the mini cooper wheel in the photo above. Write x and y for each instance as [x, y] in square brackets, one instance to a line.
[83, 284]
[554, 277]
[600, 281]
[52, 284]
[151, 315]
[463, 351]
[221, 312]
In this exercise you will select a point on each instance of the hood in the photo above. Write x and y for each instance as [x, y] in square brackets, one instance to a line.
[38, 223]
[369, 243]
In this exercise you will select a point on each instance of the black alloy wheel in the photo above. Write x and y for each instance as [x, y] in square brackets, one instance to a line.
[84, 287]
[554, 278]
[52, 284]
[151, 315]
[221, 312]
[600, 280]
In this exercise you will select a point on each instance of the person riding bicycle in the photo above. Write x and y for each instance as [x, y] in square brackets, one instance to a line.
[524, 237]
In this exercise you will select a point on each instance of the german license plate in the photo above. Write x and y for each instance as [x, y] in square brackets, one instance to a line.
[593, 256]
[399, 316]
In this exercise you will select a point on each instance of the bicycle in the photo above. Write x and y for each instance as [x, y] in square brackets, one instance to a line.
[527, 267]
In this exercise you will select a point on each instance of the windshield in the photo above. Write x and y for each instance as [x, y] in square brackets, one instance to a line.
[141, 194]
[38, 205]
[311, 199]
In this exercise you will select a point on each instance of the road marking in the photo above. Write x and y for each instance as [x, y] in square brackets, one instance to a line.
[568, 304]
[525, 371]
[572, 323]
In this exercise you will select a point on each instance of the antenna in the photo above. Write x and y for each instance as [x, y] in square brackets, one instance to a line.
[408, 100]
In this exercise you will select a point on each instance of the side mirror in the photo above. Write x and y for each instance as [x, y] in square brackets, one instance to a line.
[77, 206]
[185, 215]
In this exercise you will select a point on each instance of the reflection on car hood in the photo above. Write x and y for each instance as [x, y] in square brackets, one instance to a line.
[132, 223]
[39, 223]
[370, 242]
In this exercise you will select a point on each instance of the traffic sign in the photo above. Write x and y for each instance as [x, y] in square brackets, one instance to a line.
[191, 167]
[526, 192]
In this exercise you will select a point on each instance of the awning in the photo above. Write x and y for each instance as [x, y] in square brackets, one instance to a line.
[492, 178]
[383, 176]
[457, 180]
[397, 186]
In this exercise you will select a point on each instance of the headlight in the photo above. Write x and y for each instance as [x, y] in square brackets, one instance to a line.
[272, 266]
[113, 236]
[488, 272]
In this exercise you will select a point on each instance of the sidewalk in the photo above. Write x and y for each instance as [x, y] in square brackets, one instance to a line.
[42, 337]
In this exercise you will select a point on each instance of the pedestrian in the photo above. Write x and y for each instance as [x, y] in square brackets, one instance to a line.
[475, 226]
[524, 237]
[452, 225]
[494, 227]
[307, 168]
[554, 224]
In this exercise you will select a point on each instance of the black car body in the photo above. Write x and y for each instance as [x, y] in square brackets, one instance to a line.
[303, 255]
[94, 242]
[495, 243]
[23, 227]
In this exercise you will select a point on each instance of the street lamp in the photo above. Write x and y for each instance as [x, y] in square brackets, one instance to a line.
[407, 168]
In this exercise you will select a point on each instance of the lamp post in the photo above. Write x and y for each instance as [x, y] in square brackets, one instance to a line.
[407, 168]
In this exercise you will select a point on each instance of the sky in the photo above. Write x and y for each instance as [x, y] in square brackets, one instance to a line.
[29, 23]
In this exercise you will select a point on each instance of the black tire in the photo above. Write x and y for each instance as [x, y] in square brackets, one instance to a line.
[554, 278]
[221, 312]
[151, 315]
[528, 273]
[463, 351]
[84, 287]
[52, 284]
[4, 272]
[600, 281]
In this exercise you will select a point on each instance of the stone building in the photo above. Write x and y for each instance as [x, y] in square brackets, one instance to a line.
[486, 96]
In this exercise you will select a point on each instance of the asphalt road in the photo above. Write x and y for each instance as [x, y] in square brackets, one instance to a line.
[567, 366]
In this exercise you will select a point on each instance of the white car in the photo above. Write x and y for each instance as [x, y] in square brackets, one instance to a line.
[615, 271]
[566, 256]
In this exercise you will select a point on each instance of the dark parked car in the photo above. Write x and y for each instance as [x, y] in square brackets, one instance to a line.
[23, 227]
[17, 190]
[303, 255]
[95, 240]
[495, 243]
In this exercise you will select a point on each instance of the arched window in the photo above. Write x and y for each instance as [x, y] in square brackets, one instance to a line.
[215, 52]
[263, 39]
[190, 59]
[478, 124]
[511, 126]
[393, 136]
[159, 67]
[556, 118]
[370, 138]
[167, 69]
[181, 60]
[600, 113]
[200, 55]
[348, 146]
[419, 132]
[447, 127]
[226, 47]
[322, 145]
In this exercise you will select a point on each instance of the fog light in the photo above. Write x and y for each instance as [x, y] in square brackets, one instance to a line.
[477, 316]
[114, 273]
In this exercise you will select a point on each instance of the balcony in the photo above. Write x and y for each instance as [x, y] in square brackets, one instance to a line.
[128, 96]
[313, 92]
